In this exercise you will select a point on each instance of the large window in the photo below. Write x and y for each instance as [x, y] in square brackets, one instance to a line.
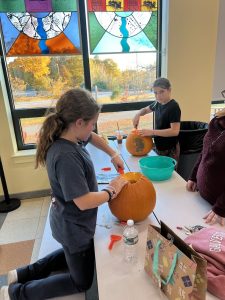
[110, 47]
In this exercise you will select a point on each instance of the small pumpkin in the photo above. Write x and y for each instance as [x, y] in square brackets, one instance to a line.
[136, 200]
[138, 145]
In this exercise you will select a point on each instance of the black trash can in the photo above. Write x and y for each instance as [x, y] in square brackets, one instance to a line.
[191, 141]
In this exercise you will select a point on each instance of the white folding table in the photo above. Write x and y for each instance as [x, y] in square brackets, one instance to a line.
[175, 206]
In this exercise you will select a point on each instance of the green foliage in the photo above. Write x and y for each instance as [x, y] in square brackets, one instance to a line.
[102, 85]
[115, 94]
[56, 74]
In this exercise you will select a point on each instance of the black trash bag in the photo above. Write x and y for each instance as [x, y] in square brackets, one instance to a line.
[191, 142]
[191, 136]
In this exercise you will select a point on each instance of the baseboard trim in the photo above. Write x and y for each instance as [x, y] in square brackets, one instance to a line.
[28, 195]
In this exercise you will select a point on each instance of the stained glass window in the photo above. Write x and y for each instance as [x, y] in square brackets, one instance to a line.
[122, 26]
[40, 33]
[40, 40]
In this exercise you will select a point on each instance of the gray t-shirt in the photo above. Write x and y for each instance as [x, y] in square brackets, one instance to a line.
[71, 175]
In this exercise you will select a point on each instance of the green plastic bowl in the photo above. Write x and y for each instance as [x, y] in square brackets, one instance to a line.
[157, 168]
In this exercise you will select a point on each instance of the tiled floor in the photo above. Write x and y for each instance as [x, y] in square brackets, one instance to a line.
[24, 224]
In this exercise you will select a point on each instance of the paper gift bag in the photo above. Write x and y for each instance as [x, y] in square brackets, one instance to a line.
[174, 266]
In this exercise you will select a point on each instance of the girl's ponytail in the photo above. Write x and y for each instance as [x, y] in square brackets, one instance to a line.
[49, 132]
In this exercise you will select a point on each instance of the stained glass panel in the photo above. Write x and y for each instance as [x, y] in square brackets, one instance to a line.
[122, 5]
[64, 5]
[37, 5]
[12, 5]
[122, 32]
[40, 33]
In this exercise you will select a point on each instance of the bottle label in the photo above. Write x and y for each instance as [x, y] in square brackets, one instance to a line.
[130, 240]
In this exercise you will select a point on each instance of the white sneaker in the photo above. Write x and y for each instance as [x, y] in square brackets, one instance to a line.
[4, 293]
[12, 277]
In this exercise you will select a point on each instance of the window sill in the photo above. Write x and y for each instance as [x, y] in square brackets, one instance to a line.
[24, 156]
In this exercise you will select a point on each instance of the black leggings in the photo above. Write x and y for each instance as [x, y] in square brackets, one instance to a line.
[57, 274]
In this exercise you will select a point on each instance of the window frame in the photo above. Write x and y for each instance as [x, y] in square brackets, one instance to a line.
[18, 114]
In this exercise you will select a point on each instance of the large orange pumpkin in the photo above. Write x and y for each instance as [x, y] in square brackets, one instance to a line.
[138, 145]
[136, 200]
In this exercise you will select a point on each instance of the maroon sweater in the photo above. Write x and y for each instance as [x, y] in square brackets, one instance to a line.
[209, 171]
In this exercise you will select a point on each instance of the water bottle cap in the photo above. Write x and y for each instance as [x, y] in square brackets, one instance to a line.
[130, 222]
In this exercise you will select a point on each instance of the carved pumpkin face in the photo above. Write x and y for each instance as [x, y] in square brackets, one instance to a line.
[136, 200]
[138, 145]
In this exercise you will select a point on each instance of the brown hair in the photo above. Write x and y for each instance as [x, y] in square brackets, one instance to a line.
[73, 105]
[162, 83]
[220, 113]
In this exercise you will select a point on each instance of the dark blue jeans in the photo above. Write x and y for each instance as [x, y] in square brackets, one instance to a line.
[40, 281]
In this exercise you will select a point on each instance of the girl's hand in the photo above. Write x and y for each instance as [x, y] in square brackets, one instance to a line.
[212, 218]
[145, 132]
[117, 162]
[117, 184]
[191, 186]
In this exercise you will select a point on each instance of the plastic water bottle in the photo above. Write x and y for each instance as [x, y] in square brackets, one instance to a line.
[130, 239]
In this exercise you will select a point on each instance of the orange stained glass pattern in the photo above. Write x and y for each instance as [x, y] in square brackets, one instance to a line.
[22, 44]
[60, 44]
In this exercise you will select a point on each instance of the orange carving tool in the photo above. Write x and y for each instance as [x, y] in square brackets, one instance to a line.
[114, 238]
[106, 169]
[120, 170]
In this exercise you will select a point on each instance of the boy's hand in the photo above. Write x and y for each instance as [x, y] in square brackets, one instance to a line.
[136, 120]
[145, 132]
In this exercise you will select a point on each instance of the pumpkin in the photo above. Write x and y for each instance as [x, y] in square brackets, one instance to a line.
[136, 200]
[138, 145]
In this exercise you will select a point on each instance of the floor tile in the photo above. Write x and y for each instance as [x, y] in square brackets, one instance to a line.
[30, 208]
[2, 218]
[15, 255]
[18, 230]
